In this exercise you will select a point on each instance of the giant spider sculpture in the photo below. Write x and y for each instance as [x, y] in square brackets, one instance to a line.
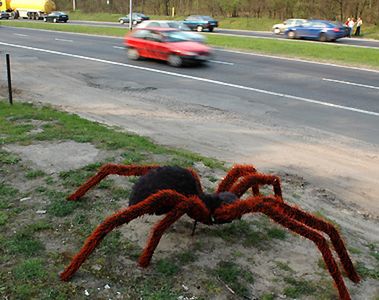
[175, 191]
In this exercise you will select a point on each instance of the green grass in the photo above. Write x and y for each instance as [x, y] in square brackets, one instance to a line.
[267, 296]
[167, 267]
[30, 269]
[8, 158]
[366, 272]
[118, 32]
[61, 207]
[283, 266]
[6, 191]
[25, 244]
[186, 257]
[242, 23]
[236, 277]
[34, 248]
[374, 251]
[247, 23]
[33, 174]
[326, 52]
[70, 127]
[3, 218]
[297, 288]
[258, 233]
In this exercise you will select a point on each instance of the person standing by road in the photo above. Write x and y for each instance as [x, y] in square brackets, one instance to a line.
[358, 29]
[351, 26]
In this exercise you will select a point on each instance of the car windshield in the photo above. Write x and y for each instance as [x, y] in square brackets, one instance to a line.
[207, 18]
[176, 36]
[178, 25]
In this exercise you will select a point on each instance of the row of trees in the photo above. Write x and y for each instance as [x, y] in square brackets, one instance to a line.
[278, 9]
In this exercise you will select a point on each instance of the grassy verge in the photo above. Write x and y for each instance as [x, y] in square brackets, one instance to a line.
[40, 231]
[242, 23]
[296, 49]
[33, 245]
[120, 32]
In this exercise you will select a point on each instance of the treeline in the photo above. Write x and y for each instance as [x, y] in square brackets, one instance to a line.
[277, 9]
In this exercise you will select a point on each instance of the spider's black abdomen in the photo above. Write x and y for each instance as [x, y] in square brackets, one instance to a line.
[164, 178]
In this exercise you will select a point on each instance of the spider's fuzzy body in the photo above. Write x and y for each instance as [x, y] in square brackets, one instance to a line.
[175, 191]
[180, 180]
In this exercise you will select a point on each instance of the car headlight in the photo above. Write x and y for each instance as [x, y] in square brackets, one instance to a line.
[189, 53]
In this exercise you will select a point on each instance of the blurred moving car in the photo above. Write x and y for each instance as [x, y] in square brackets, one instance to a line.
[321, 30]
[4, 15]
[173, 24]
[168, 44]
[281, 27]
[56, 16]
[136, 18]
[199, 23]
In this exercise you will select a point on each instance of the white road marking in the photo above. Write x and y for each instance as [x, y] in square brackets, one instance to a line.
[20, 34]
[227, 50]
[118, 47]
[232, 85]
[352, 83]
[64, 40]
[298, 60]
[222, 62]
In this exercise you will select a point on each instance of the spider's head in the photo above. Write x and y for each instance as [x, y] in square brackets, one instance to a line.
[216, 200]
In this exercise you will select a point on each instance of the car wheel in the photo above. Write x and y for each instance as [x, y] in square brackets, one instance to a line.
[199, 28]
[133, 54]
[44, 19]
[323, 37]
[277, 30]
[291, 34]
[121, 21]
[55, 20]
[211, 29]
[174, 60]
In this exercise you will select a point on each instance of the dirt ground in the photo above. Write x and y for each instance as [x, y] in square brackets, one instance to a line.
[299, 256]
[332, 174]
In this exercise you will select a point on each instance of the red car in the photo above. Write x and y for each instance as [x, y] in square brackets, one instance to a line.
[172, 45]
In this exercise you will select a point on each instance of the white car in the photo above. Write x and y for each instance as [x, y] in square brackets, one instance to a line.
[173, 24]
[281, 27]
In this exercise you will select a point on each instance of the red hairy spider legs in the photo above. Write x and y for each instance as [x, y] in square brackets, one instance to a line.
[175, 191]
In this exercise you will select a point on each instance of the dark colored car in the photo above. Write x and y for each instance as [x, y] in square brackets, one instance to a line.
[318, 30]
[4, 15]
[199, 23]
[136, 18]
[168, 44]
[56, 16]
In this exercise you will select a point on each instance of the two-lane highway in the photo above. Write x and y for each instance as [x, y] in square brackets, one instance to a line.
[320, 120]
[355, 42]
[283, 84]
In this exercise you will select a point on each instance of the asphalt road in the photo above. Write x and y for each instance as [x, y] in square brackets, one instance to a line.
[357, 42]
[223, 109]
[252, 34]
[302, 93]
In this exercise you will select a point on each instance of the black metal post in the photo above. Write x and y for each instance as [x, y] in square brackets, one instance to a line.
[9, 79]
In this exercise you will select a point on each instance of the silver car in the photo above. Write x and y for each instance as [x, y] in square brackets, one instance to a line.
[281, 27]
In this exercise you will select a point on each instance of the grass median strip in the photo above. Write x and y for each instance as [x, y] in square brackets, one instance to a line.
[325, 52]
